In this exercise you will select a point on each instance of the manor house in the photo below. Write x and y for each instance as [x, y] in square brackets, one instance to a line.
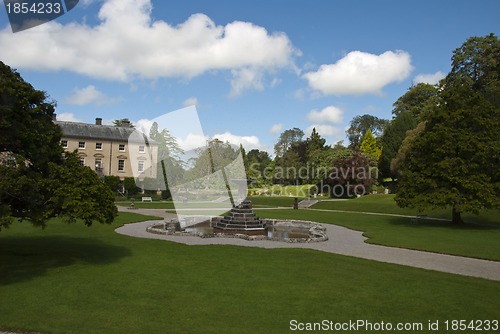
[108, 150]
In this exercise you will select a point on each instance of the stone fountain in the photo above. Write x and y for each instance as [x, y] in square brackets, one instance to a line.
[241, 219]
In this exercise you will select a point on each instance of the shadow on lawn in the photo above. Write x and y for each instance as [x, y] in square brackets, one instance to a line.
[24, 258]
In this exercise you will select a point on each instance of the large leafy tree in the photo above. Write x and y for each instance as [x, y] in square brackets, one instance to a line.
[477, 64]
[287, 139]
[37, 181]
[454, 161]
[351, 175]
[360, 125]
[418, 101]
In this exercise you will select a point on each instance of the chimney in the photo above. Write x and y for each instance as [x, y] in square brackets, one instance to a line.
[98, 121]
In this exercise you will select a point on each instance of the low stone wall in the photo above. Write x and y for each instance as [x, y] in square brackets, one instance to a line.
[317, 232]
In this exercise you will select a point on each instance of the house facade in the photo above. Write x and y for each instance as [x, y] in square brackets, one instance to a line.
[108, 149]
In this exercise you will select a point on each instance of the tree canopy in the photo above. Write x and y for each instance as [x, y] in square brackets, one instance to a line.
[286, 141]
[454, 161]
[38, 181]
[369, 146]
[418, 101]
[362, 123]
[477, 63]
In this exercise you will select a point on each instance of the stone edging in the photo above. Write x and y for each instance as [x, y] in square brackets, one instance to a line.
[317, 232]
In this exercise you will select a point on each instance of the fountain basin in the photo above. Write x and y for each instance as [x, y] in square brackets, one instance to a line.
[276, 229]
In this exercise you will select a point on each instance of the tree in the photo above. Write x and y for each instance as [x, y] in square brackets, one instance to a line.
[360, 124]
[351, 176]
[72, 191]
[37, 181]
[369, 146]
[454, 161]
[477, 63]
[391, 140]
[404, 147]
[256, 163]
[418, 101]
[124, 122]
[318, 157]
[286, 141]
[169, 157]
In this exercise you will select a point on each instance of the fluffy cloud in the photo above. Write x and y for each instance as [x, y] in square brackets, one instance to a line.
[360, 73]
[430, 79]
[326, 130]
[192, 101]
[330, 114]
[68, 117]
[90, 95]
[276, 128]
[248, 142]
[127, 43]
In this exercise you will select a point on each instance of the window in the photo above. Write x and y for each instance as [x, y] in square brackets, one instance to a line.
[140, 167]
[81, 144]
[121, 148]
[121, 165]
[64, 143]
[82, 161]
[141, 148]
[98, 146]
[98, 164]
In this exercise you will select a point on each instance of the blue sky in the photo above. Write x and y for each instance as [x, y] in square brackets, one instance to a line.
[253, 68]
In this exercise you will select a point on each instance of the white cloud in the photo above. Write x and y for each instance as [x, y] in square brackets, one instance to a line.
[330, 114]
[68, 117]
[128, 42]
[192, 141]
[360, 73]
[192, 101]
[90, 95]
[245, 79]
[276, 128]
[430, 79]
[248, 142]
[143, 125]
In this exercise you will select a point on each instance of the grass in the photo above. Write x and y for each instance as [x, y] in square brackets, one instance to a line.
[433, 236]
[386, 204]
[257, 201]
[74, 279]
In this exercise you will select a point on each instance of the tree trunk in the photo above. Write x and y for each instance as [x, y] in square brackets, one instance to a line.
[456, 217]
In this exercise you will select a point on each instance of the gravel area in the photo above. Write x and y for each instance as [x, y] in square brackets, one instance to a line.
[340, 241]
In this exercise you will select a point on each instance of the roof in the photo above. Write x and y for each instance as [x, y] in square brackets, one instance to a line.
[93, 131]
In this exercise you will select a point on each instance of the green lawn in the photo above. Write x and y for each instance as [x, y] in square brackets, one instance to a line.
[257, 201]
[74, 279]
[471, 240]
[386, 204]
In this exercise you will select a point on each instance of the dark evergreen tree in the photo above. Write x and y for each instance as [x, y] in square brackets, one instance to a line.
[392, 139]
[38, 182]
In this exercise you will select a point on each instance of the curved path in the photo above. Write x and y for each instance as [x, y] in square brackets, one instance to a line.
[341, 240]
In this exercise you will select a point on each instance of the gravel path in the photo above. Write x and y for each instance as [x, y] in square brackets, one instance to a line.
[340, 241]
